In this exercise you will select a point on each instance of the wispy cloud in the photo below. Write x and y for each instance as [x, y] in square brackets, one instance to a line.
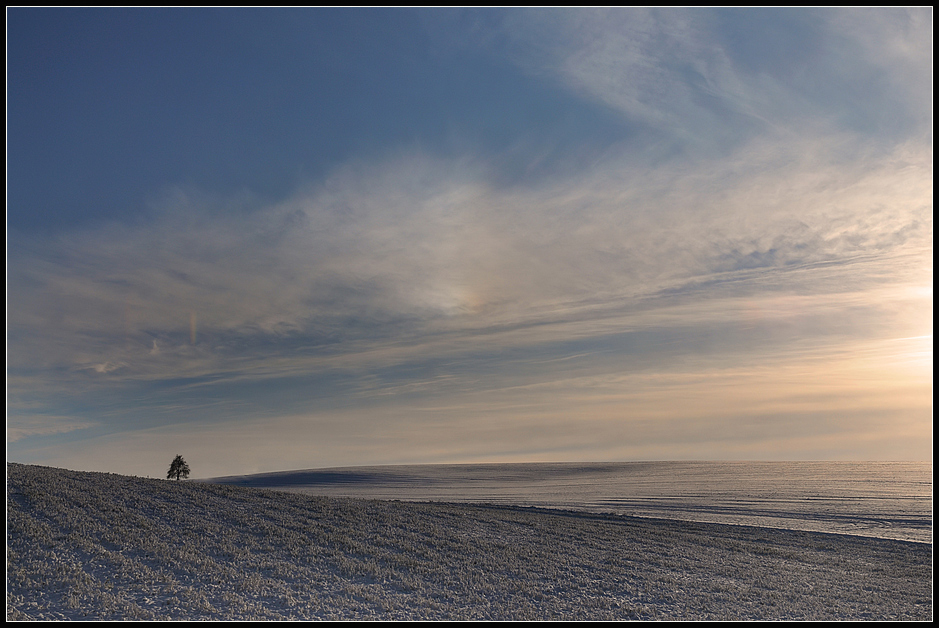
[713, 78]
[416, 247]
[25, 424]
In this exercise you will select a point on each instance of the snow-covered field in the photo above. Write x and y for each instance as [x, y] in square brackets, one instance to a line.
[102, 546]
[888, 500]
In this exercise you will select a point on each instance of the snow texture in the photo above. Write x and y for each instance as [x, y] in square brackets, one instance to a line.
[102, 546]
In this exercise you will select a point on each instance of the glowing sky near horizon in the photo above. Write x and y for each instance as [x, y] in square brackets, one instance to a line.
[285, 239]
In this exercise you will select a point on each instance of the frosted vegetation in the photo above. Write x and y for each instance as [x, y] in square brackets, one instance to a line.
[102, 546]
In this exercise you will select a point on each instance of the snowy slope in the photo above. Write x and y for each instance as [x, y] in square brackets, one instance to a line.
[102, 546]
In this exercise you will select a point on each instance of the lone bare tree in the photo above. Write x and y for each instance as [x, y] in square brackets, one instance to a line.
[178, 468]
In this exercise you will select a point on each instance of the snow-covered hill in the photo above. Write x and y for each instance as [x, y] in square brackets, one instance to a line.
[102, 546]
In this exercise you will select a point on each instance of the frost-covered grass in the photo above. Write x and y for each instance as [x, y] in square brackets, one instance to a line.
[102, 546]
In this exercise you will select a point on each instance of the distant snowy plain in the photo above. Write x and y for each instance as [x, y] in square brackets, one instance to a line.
[103, 546]
[891, 500]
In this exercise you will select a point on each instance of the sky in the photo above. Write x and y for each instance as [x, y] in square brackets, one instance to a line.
[274, 239]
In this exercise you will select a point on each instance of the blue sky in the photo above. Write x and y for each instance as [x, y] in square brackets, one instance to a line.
[279, 239]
